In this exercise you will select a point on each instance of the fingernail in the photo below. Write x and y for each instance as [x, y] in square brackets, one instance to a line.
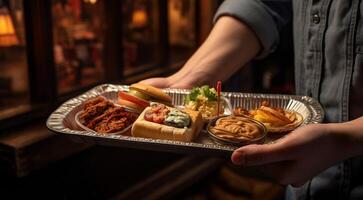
[238, 158]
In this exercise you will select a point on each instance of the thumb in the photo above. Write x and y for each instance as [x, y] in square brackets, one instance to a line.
[298, 184]
[158, 82]
[259, 154]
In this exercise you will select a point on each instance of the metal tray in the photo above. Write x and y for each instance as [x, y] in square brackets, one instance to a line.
[62, 120]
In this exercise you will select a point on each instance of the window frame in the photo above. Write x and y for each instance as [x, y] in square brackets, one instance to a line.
[41, 65]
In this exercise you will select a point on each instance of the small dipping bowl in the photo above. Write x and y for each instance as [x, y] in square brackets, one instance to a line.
[225, 141]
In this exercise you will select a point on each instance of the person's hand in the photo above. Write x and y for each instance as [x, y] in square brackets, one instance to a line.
[166, 82]
[160, 82]
[298, 156]
[222, 54]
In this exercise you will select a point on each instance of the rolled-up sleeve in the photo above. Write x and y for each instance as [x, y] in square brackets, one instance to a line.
[265, 17]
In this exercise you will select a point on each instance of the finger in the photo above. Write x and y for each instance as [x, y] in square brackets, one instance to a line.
[298, 184]
[156, 82]
[260, 154]
[181, 85]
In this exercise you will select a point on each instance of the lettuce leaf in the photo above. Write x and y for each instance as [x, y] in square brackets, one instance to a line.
[205, 90]
[210, 93]
[192, 96]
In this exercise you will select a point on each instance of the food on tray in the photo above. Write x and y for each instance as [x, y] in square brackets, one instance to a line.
[140, 95]
[101, 115]
[203, 99]
[95, 107]
[163, 122]
[237, 129]
[177, 118]
[275, 119]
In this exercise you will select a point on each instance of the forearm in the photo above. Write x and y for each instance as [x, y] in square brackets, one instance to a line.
[348, 136]
[230, 45]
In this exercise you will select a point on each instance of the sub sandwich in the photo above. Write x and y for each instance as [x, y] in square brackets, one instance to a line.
[159, 121]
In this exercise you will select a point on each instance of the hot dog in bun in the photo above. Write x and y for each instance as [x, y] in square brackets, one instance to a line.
[163, 122]
[140, 95]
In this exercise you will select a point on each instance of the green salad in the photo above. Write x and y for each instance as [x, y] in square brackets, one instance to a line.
[203, 99]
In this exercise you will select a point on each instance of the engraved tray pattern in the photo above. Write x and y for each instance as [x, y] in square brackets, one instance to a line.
[62, 120]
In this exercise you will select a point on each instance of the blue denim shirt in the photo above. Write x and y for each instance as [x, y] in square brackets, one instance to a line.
[328, 48]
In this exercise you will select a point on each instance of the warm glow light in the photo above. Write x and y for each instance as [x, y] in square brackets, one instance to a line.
[90, 1]
[93, 1]
[139, 18]
[7, 30]
[6, 27]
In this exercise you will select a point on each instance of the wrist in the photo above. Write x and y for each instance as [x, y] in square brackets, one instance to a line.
[191, 79]
[202, 77]
[346, 138]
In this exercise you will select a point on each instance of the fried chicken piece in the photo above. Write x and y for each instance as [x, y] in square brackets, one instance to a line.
[93, 102]
[103, 116]
[92, 123]
[93, 111]
[115, 120]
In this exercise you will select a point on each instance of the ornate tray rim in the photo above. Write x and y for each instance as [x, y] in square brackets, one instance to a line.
[55, 123]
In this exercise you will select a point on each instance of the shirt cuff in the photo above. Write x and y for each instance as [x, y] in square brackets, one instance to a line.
[256, 16]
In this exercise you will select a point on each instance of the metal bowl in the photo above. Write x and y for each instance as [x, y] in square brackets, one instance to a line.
[225, 141]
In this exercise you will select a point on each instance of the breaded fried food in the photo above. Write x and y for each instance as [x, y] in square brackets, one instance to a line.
[275, 119]
[272, 116]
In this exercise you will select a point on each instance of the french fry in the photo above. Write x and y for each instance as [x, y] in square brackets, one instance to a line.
[271, 118]
[275, 119]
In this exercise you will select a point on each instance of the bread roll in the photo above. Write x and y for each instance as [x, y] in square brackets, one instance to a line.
[147, 129]
[155, 93]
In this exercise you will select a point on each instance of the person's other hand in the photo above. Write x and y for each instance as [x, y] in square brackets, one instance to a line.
[297, 157]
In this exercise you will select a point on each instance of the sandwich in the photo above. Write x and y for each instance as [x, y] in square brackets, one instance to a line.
[159, 121]
[140, 95]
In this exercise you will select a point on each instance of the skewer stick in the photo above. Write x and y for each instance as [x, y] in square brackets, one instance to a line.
[219, 88]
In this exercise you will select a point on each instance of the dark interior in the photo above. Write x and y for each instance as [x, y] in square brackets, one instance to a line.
[55, 50]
